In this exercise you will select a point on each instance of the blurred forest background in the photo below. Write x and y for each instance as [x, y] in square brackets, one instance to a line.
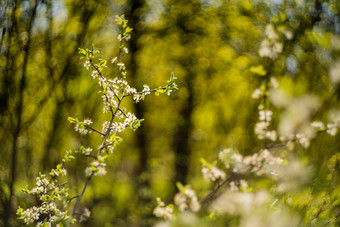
[210, 45]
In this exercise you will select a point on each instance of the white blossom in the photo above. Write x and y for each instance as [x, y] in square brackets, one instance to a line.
[87, 64]
[257, 93]
[288, 34]
[162, 211]
[274, 82]
[332, 129]
[85, 215]
[213, 174]
[259, 163]
[96, 168]
[94, 74]
[233, 186]
[272, 135]
[187, 200]
[271, 45]
[265, 115]
[318, 125]
[114, 59]
[270, 32]
[261, 129]
[243, 184]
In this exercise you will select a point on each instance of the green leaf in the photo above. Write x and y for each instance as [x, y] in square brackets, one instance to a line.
[71, 120]
[26, 190]
[259, 70]
[282, 17]
[203, 161]
[82, 52]
[180, 186]
[102, 63]
[136, 124]
[19, 211]
[128, 29]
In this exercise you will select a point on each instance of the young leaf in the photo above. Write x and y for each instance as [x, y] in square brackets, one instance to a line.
[259, 70]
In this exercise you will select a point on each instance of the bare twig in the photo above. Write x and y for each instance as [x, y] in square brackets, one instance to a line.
[92, 129]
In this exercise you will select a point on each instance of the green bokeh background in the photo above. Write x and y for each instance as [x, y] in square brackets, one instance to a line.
[210, 46]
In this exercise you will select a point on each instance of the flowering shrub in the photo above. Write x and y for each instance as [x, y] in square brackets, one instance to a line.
[53, 196]
[238, 198]
[234, 201]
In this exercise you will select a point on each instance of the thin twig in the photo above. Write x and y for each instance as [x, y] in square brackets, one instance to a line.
[70, 199]
[103, 145]
[101, 75]
[143, 92]
[106, 145]
[123, 113]
[99, 152]
[91, 156]
[89, 127]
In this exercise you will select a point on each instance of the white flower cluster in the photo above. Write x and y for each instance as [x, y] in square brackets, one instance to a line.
[262, 163]
[261, 127]
[43, 185]
[56, 172]
[81, 126]
[114, 88]
[271, 46]
[318, 125]
[304, 138]
[111, 92]
[97, 168]
[109, 101]
[141, 95]
[105, 126]
[31, 215]
[87, 64]
[88, 150]
[234, 202]
[123, 37]
[85, 215]
[130, 118]
[94, 74]
[55, 215]
[332, 129]
[257, 93]
[235, 185]
[48, 192]
[213, 173]
[118, 127]
[112, 142]
[261, 92]
[187, 200]
[162, 211]
[130, 90]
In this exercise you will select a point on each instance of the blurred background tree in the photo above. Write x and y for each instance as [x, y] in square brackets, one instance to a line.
[209, 44]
